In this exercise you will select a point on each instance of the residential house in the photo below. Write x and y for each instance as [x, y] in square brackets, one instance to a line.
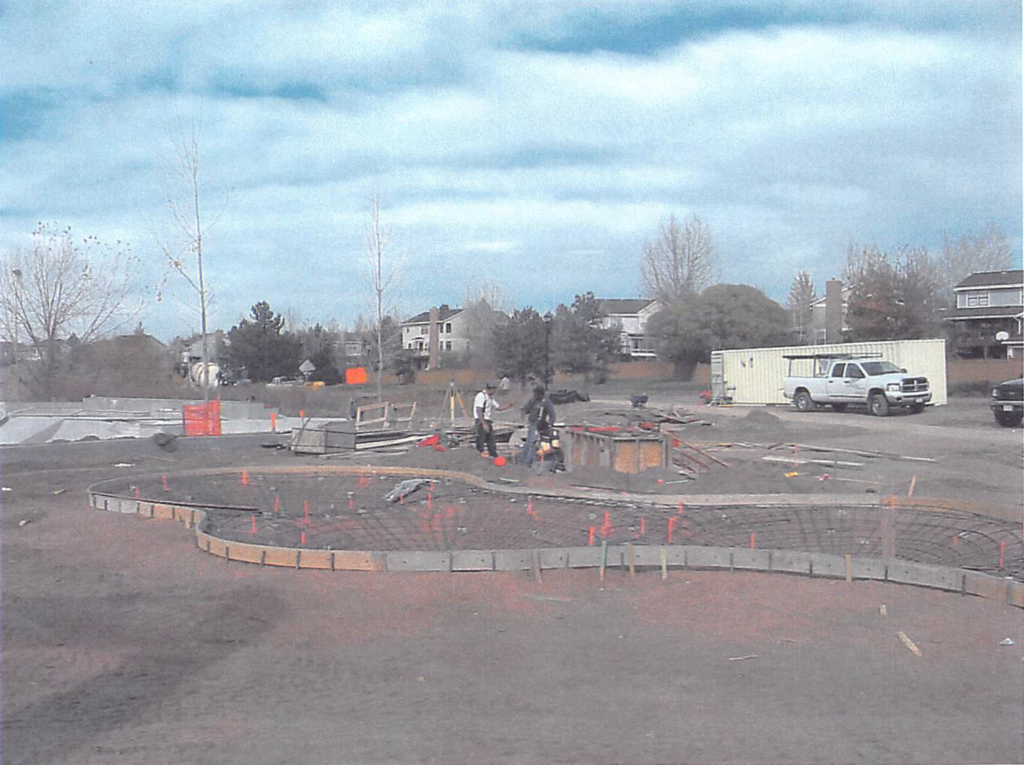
[435, 333]
[355, 347]
[13, 354]
[987, 316]
[630, 316]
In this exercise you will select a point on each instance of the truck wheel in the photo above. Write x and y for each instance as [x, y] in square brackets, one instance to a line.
[839, 407]
[878, 404]
[803, 401]
[1009, 419]
[916, 408]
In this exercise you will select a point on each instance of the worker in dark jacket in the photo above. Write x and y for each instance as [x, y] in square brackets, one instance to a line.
[540, 417]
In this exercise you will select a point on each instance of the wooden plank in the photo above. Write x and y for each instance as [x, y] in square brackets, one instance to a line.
[826, 463]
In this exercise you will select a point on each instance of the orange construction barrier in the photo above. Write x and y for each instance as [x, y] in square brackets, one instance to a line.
[356, 376]
[201, 419]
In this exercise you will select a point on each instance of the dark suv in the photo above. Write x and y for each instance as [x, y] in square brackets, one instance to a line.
[1007, 403]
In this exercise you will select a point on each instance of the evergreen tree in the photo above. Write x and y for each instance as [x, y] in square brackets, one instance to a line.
[259, 345]
[521, 345]
[580, 344]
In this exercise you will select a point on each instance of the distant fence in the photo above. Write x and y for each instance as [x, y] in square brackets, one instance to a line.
[981, 370]
[627, 370]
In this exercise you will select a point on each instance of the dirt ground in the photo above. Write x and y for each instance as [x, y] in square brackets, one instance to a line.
[121, 643]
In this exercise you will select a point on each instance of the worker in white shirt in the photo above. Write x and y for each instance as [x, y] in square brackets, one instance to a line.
[484, 407]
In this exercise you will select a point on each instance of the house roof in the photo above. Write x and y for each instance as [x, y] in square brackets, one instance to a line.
[1013, 278]
[443, 314]
[623, 305]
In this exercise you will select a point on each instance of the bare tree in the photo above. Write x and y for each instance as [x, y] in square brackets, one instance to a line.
[58, 289]
[382, 276]
[184, 252]
[988, 251]
[485, 305]
[680, 262]
[801, 296]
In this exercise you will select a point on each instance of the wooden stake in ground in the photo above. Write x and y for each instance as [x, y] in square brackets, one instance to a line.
[913, 483]
[604, 556]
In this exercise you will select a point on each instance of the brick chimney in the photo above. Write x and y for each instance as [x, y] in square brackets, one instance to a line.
[833, 311]
[434, 340]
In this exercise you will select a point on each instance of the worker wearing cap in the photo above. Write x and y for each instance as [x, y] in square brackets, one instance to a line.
[484, 407]
[540, 416]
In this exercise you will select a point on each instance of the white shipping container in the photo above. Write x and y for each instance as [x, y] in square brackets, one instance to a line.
[755, 376]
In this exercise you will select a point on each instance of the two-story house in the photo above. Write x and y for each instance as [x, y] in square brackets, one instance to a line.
[630, 316]
[435, 333]
[987, 315]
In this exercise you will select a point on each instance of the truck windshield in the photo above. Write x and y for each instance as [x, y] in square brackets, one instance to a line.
[879, 367]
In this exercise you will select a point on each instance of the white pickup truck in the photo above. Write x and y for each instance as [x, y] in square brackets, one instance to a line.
[850, 381]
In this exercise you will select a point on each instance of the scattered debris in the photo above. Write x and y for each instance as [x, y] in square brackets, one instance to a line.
[909, 643]
[827, 463]
[855, 480]
[5, 488]
[554, 598]
[743, 658]
[861, 452]
[24, 522]
[882, 610]
[567, 396]
[166, 441]
[405, 488]
[792, 474]
[58, 492]
[1006, 641]
[124, 464]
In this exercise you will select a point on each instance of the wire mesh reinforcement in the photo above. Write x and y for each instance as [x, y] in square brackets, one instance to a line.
[350, 512]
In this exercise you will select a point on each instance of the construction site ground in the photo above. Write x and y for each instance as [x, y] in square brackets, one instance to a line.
[123, 643]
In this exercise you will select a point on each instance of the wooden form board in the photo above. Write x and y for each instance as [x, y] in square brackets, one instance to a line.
[384, 416]
[621, 452]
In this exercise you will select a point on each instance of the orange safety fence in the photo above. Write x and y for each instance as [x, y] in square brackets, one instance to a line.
[201, 419]
[356, 376]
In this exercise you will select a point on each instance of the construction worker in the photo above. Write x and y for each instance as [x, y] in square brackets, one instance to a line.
[540, 417]
[484, 406]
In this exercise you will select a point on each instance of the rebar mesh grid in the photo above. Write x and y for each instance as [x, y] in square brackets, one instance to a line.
[350, 512]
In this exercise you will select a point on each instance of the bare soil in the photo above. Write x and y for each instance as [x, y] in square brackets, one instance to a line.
[122, 643]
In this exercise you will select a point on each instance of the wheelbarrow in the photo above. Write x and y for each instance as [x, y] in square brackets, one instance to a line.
[638, 400]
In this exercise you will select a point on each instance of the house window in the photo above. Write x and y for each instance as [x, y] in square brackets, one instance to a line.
[448, 330]
[448, 343]
[423, 330]
[977, 300]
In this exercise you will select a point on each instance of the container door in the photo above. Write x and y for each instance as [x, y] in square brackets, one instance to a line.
[717, 377]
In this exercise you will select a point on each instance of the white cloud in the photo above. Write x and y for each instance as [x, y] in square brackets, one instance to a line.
[790, 140]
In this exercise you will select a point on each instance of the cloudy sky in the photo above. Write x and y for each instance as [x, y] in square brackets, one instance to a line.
[535, 145]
